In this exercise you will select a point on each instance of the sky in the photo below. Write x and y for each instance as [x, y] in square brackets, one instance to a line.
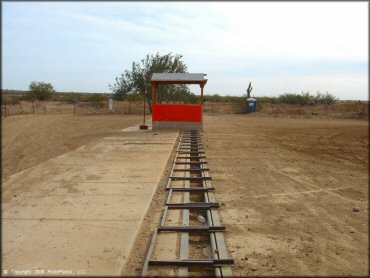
[281, 47]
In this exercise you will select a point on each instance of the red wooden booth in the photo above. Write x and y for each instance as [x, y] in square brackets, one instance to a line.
[176, 116]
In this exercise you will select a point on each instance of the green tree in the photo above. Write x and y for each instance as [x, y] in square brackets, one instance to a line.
[137, 80]
[41, 90]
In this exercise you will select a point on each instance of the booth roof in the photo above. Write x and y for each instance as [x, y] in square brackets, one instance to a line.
[178, 77]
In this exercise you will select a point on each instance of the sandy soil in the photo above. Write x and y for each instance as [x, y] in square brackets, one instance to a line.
[29, 140]
[294, 191]
[289, 188]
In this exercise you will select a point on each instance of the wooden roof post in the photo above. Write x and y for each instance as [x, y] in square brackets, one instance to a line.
[202, 97]
[156, 91]
[153, 93]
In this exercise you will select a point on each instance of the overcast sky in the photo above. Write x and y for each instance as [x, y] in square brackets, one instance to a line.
[279, 47]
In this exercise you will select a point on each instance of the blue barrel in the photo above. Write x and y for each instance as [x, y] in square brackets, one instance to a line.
[251, 105]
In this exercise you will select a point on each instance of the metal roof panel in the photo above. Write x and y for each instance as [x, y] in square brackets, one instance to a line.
[178, 77]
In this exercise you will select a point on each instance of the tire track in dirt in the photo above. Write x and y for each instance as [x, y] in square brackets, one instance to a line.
[318, 188]
[296, 193]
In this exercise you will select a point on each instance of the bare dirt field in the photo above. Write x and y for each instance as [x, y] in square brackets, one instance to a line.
[29, 140]
[293, 191]
[290, 187]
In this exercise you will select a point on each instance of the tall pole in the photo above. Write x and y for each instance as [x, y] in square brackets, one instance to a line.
[153, 94]
[144, 126]
[144, 103]
[202, 95]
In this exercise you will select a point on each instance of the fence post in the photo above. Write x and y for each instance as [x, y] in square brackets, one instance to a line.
[74, 108]
[5, 106]
[358, 109]
[33, 108]
[363, 109]
[20, 104]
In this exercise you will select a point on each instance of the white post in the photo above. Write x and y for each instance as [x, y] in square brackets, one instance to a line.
[111, 105]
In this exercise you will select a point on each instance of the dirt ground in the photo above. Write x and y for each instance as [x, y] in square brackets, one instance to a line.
[29, 140]
[293, 191]
[289, 188]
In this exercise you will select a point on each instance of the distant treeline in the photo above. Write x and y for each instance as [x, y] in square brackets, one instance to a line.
[218, 98]
[304, 98]
[14, 96]
[286, 98]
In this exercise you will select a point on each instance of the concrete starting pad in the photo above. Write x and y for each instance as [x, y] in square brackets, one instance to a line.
[78, 213]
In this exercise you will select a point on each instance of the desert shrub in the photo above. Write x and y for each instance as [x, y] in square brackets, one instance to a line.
[41, 90]
[94, 97]
[289, 98]
[71, 98]
[234, 99]
[227, 98]
[327, 98]
[188, 97]
[133, 97]
[14, 100]
[307, 98]
[213, 98]
[266, 99]
[29, 96]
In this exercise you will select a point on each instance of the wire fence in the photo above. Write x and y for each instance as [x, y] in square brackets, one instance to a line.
[341, 110]
[82, 108]
[337, 110]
